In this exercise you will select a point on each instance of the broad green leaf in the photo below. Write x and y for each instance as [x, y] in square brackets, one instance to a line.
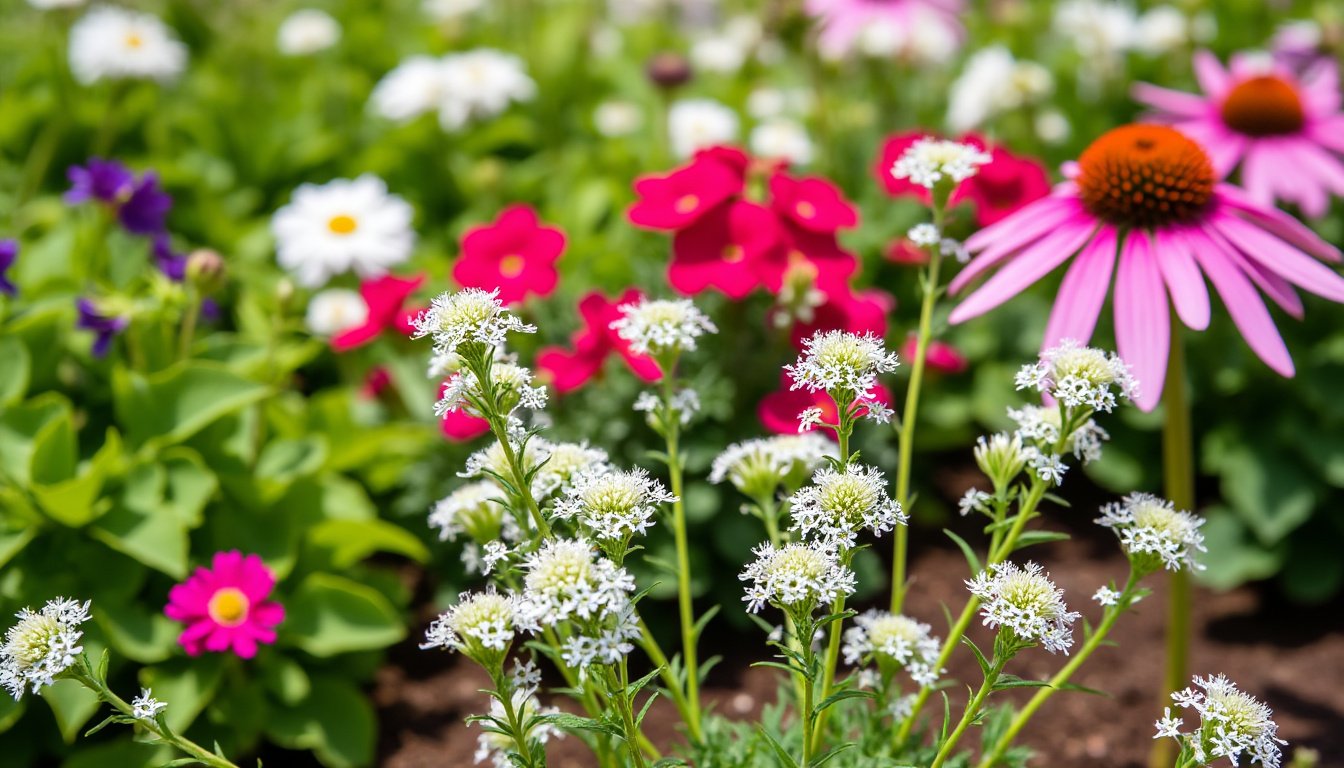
[15, 371]
[140, 634]
[42, 330]
[11, 711]
[1268, 489]
[77, 501]
[172, 405]
[55, 453]
[122, 753]
[283, 461]
[335, 721]
[72, 704]
[13, 542]
[331, 614]
[187, 684]
[286, 678]
[350, 541]
[156, 538]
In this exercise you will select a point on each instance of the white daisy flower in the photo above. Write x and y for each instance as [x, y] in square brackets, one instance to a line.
[110, 43]
[417, 86]
[1154, 534]
[660, 327]
[929, 161]
[470, 316]
[795, 578]
[482, 625]
[838, 505]
[1232, 723]
[342, 226]
[783, 139]
[444, 11]
[1080, 376]
[612, 504]
[481, 84]
[145, 706]
[882, 635]
[992, 83]
[335, 310]
[615, 119]
[1025, 602]
[694, 124]
[307, 31]
[42, 645]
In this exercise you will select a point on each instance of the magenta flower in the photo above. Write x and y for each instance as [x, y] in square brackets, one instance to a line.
[844, 21]
[1265, 118]
[940, 356]
[778, 410]
[386, 299]
[515, 254]
[568, 370]
[460, 426]
[225, 607]
[1143, 203]
[846, 310]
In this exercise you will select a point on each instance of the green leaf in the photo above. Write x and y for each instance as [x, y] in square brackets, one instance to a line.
[1032, 538]
[143, 635]
[286, 679]
[971, 559]
[568, 722]
[350, 541]
[14, 374]
[72, 704]
[157, 540]
[1267, 488]
[13, 542]
[784, 758]
[979, 657]
[188, 685]
[122, 753]
[76, 501]
[1082, 689]
[839, 696]
[11, 711]
[172, 405]
[331, 614]
[1007, 681]
[336, 722]
[20, 426]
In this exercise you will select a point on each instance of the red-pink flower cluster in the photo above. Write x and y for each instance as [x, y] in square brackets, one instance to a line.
[515, 254]
[568, 369]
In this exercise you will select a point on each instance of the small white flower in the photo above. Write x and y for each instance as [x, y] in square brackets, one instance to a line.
[1101, 30]
[928, 161]
[992, 83]
[974, 500]
[564, 462]
[1153, 533]
[480, 622]
[496, 747]
[42, 645]
[765, 103]
[795, 577]
[469, 316]
[567, 583]
[757, 467]
[810, 418]
[694, 124]
[924, 235]
[1039, 429]
[1106, 596]
[110, 43]
[659, 327]
[444, 11]
[899, 638]
[613, 504]
[342, 226]
[492, 554]
[838, 505]
[1232, 723]
[512, 385]
[1052, 126]
[145, 706]
[954, 248]
[1047, 466]
[307, 31]
[416, 86]
[1162, 30]
[481, 84]
[614, 119]
[1080, 376]
[1025, 602]
[723, 54]
[783, 139]
[335, 310]
[476, 510]
[838, 361]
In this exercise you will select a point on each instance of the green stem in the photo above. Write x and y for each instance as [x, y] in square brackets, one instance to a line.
[1064, 675]
[650, 645]
[972, 710]
[181, 743]
[188, 331]
[672, 427]
[626, 706]
[1178, 469]
[515, 727]
[909, 416]
[843, 430]
[809, 695]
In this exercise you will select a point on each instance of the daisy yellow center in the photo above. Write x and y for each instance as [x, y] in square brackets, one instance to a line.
[511, 265]
[133, 40]
[342, 224]
[1264, 106]
[229, 607]
[686, 203]
[1145, 176]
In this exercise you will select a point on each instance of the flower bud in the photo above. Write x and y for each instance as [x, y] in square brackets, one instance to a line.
[668, 70]
[206, 269]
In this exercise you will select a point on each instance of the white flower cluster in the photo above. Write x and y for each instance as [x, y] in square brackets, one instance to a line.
[757, 467]
[477, 510]
[795, 577]
[1040, 426]
[496, 747]
[1025, 601]
[848, 364]
[469, 316]
[613, 504]
[42, 645]
[568, 582]
[480, 622]
[685, 404]
[145, 706]
[110, 43]
[974, 500]
[1231, 723]
[460, 87]
[928, 161]
[896, 637]
[662, 326]
[307, 31]
[841, 503]
[924, 235]
[1154, 533]
[556, 464]
[512, 384]
[1079, 376]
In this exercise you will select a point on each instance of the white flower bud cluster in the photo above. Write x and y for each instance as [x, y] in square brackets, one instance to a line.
[1080, 377]
[879, 635]
[42, 645]
[660, 327]
[839, 504]
[795, 577]
[1153, 533]
[1025, 601]
[612, 504]
[469, 316]
[758, 467]
[1232, 723]
[568, 583]
[929, 161]
[512, 384]
[480, 623]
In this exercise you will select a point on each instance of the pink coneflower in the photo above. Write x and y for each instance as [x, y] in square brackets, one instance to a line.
[843, 22]
[1263, 117]
[385, 298]
[567, 370]
[778, 410]
[998, 189]
[515, 254]
[1148, 197]
[225, 607]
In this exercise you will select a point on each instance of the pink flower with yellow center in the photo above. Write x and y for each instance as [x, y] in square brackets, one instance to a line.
[515, 254]
[225, 608]
[1143, 204]
[1260, 116]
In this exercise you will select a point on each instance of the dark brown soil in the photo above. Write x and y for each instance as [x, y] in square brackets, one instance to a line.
[1291, 657]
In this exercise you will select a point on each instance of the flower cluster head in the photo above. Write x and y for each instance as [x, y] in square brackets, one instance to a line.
[1080, 377]
[42, 645]
[840, 503]
[1232, 723]
[758, 467]
[662, 327]
[145, 706]
[460, 88]
[795, 578]
[845, 366]
[888, 638]
[612, 504]
[482, 626]
[475, 509]
[1025, 602]
[510, 382]
[1001, 457]
[470, 318]
[1154, 533]
[564, 463]
[929, 161]
[568, 582]
[496, 747]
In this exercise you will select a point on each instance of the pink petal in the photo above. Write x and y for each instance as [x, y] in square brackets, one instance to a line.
[1024, 230]
[1329, 132]
[1026, 268]
[1174, 103]
[1083, 291]
[1142, 319]
[1243, 303]
[1280, 258]
[1278, 223]
[1184, 282]
[1213, 79]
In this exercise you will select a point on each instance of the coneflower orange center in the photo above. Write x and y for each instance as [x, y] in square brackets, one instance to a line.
[1145, 176]
[1263, 106]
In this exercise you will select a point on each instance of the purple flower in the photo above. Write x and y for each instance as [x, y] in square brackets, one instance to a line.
[172, 264]
[105, 327]
[9, 251]
[144, 211]
[106, 181]
[209, 310]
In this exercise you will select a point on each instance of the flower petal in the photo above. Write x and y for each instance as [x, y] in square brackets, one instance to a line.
[1083, 291]
[1243, 303]
[1027, 267]
[1185, 283]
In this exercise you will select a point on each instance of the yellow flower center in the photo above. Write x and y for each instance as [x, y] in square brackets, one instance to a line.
[342, 224]
[134, 40]
[511, 265]
[686, 203]
[229, 607]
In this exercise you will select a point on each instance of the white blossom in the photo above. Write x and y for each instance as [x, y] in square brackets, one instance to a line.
[307, 31]
[512, 385]
[974, 500]
[838, 361]
[924, 235]
[1106, 596]
[839, 504]
[783, 139]
[496, 747]
[345, 225]
[1232, 723]
[110, 43]
[928, 161]
[1154, 533]
[757, 467]
[475, 509]
[795, 577]
[614, 119]
[481, 621]
[469, 316]
[1024, 601]
[568, 582]
[1080, 376]
[661, 326]
[334, 310]
[613, 504]
[899, 638]
[42, 645]
[145, 706]
[994, 82]
[694, 124]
